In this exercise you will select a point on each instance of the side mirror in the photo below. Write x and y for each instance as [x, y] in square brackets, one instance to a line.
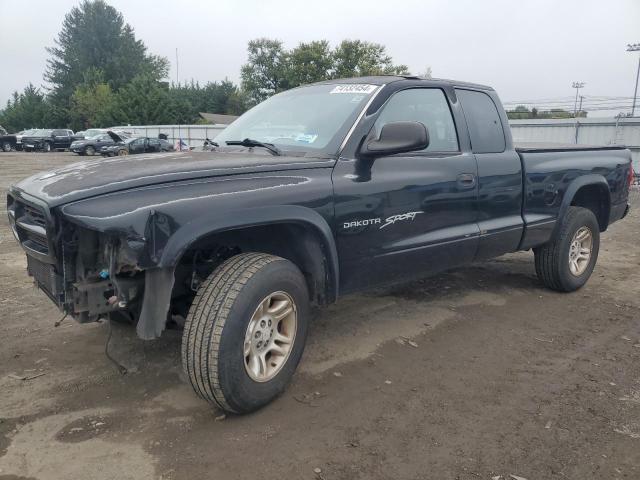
[398, 137]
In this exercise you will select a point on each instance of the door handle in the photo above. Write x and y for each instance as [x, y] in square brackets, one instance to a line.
[467, 180]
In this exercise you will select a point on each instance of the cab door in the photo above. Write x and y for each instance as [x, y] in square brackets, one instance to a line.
[61, 138]
[407, 215]
[137, 146]
[499, 174]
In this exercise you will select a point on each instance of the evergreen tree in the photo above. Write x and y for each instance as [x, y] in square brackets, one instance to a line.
[94, 35]
[29, 109]
[144, 101]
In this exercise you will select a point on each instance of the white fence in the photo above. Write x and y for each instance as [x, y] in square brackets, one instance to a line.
[588, 131]
[591, 131]
[193, 135]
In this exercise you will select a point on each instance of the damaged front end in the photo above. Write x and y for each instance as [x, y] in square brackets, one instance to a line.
[91, 274]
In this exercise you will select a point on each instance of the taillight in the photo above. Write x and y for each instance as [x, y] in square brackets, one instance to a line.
[630, 179]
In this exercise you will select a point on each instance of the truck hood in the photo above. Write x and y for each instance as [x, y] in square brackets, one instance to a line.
[106, 175]
[114, 136]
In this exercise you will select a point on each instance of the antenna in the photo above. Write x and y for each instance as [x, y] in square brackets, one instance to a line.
[177, 68]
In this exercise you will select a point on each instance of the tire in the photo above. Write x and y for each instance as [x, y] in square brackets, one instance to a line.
[122, 153]
[46, 147]
[221, 332]
[90, 150]
[6, 147]
[554, 260]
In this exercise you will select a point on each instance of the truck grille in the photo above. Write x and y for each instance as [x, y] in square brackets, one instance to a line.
[37, 216]
[31, 226]
[29, 223]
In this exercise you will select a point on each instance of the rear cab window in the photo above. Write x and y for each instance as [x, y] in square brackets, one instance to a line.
[483, 121]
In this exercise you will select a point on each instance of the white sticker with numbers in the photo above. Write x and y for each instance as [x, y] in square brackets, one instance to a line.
[353, 88]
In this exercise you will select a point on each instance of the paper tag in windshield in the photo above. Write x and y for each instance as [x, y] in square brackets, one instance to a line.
[306, 137]
[354, 88]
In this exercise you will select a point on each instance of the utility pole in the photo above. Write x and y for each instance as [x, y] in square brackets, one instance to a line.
[580, 107]
[635, 47]
[577, 86]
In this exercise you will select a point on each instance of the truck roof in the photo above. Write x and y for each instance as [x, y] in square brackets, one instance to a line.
[386, 79]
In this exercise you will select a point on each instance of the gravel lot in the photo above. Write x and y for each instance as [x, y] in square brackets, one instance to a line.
[473, 374]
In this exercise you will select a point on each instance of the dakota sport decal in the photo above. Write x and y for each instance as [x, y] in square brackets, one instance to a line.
[378, 221]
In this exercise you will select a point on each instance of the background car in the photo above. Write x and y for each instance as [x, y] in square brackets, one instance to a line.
[23, 133]
[7, 142]
[91, 132]
[47, 140]
[166, 146]
[91, 145]
[130, 145]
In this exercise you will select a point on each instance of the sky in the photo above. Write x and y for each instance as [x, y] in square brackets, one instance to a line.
[527, 50]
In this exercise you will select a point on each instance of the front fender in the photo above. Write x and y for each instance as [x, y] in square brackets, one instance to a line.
[218, 222]
[157, 224]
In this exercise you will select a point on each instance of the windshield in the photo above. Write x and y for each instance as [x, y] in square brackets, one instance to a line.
[311, 119]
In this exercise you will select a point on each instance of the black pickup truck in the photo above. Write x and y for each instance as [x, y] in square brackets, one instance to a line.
[319, 191]
[7, 142]
[48, 140]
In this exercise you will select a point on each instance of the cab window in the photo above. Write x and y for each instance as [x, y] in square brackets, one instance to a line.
[425, 105]
[485, 128]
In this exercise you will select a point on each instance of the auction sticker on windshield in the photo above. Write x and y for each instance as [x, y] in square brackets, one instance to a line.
[353, 88]
[306, 137]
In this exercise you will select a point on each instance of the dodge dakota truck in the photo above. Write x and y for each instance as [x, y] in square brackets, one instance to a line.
[317, 192]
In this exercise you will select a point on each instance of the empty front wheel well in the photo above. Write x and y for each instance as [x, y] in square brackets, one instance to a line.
[595, 198]
[299, 243]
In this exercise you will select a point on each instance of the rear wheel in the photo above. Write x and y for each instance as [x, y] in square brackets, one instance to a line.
[246, 331]
[566, 263]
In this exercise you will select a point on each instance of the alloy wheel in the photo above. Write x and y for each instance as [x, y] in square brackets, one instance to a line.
[270, 336]
[580, 251]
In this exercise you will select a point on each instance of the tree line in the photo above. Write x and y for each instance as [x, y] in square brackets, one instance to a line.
[99, 74]
[521, 113]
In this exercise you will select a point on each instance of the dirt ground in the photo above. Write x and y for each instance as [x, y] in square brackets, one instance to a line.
[473, 374]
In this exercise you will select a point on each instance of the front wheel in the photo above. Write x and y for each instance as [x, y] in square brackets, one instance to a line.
[246, 331]
[566, 263]
[6, 147]
[46, 147]
[90, 150]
